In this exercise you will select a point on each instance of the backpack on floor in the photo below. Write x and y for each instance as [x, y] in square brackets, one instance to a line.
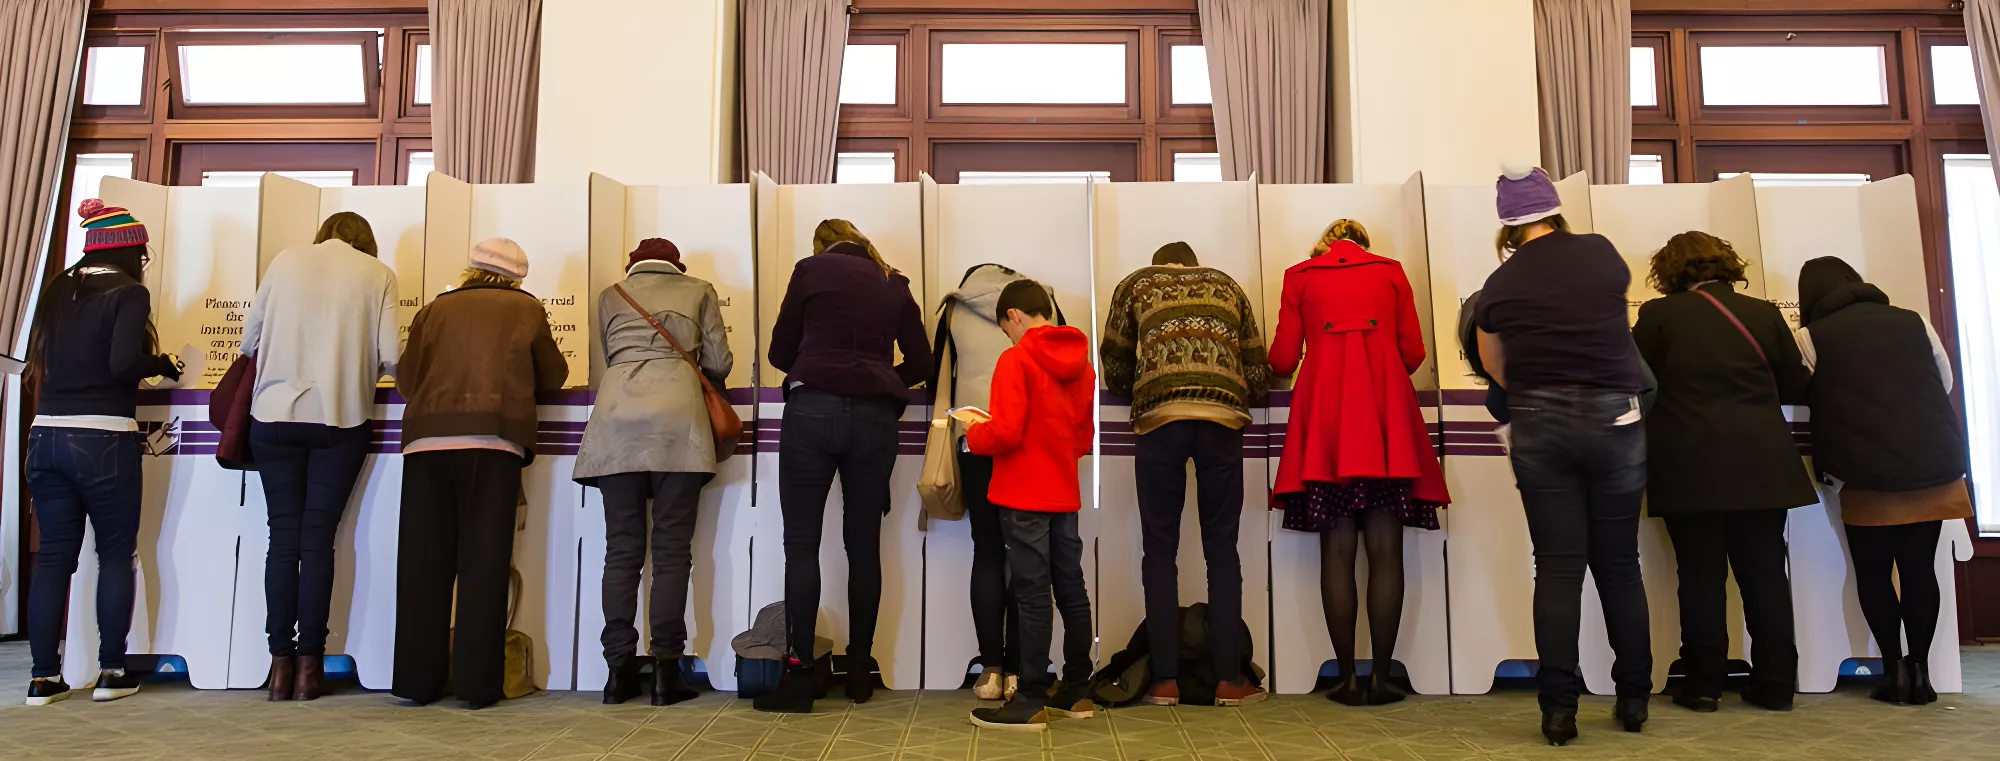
[1128, 674]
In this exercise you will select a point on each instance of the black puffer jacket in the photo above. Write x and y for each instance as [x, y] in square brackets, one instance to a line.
[1881, 419]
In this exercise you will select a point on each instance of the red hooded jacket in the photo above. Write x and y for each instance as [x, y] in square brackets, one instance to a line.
[1044, 400]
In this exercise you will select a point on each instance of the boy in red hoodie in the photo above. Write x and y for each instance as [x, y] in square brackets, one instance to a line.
[1043, 406]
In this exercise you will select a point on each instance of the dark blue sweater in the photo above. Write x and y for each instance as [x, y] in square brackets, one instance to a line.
[841, 323]
[96, 359]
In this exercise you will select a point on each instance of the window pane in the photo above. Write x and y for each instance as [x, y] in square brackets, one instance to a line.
[272, 74]
[864, 168]
[1645, 87]
[325, 178]
[1794, 76]
[423, 84]
[422, 163]
[1034, 73]
[1190, 76]
[91, 169]
[1952, 81]
[1648, 170]
[1972, 215]
[1031, 178]
[1197, 167]
[868, 75]
[115, 77]
[1801, 179]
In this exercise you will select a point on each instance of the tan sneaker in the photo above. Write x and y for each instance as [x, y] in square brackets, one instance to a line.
[990, 686]
[1238, 693]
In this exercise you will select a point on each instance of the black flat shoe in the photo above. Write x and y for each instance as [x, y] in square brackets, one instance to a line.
[1559, 726]
[623, 684]
[1631, 712]
[668, 687]
[1381, 692]
[1769, 698]
[1698, 704]
[1348, 693]
[860, 679]
[795, 692]
[1921, 692]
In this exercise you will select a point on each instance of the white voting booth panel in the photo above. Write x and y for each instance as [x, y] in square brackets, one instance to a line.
[713, 227]
[362, 623]
[1874, 228]
[1292, 219]
[551, 223]
[1638, 220]
[892, 218]
[202, 284]
[1219, 220]
[969, 225]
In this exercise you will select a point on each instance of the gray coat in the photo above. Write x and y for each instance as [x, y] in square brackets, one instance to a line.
[649, 416]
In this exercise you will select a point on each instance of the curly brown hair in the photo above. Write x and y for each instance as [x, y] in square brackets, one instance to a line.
[1695, 257]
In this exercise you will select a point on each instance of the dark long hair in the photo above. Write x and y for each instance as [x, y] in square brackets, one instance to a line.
[1692, 258]
[71, 286]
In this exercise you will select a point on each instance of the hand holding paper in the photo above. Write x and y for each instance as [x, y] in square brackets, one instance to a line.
[969, 415]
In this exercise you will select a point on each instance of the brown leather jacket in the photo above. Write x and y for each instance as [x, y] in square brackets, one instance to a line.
[475, 359]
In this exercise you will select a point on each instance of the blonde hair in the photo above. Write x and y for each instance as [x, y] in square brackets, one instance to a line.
[834, 231]
[1344, 229]
[1513, 237]
[476, 276]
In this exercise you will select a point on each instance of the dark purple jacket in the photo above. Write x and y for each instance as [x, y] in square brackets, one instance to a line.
[840, 324]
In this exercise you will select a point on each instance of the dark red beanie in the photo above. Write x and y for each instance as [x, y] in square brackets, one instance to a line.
[656, 249]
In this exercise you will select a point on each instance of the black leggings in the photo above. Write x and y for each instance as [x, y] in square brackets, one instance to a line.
[1912, 550]
[854, 438]
[1383, 533]
[994, 617]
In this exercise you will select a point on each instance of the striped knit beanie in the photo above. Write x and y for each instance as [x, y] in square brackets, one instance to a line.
[108, 227]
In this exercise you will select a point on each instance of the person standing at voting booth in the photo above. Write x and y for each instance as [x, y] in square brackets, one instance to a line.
[476, 357]
[649, 440]
[1181, 341]
[1551, 332]
[92, 343]
[1358, 461]
[845, 314]
[1723, 467]
[1886, 438]
[323, 332]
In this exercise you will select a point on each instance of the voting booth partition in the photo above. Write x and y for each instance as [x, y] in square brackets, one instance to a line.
[1291, 220]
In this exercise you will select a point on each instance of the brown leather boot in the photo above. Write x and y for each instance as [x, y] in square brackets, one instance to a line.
[311, 682]
[281, 679]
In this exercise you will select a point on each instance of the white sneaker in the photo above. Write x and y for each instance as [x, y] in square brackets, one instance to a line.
[990, 686]
[113, 685]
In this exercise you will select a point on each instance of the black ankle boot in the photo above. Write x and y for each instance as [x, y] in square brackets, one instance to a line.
[1769, 697]
[1697, 703]
[1631, 712]
[795, 692]
[1559, 726]
[1895, 686]
[668, 687]
[623, 684]
[1348, 692]
[1921, 692]
[860, 678]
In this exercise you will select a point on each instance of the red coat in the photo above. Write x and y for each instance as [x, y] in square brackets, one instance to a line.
[1044, 398]
[1354, 410]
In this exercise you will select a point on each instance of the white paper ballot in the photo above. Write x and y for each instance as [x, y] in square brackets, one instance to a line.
[192, 362]
[970, 414]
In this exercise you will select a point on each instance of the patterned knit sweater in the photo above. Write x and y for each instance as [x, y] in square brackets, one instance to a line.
[1183, 334]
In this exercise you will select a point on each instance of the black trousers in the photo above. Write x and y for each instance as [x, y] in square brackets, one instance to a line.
[855, 439]
[675, 502]
[1753, 544]
[995, 620]
[1045, 554]
[1911, 550]
[1160, 471]
[308, 471]
[1582, 480]
[457, 528]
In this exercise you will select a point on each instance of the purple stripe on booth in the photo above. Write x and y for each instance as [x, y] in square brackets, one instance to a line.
[1457, 426]
[1462, 397]
[1474, 450]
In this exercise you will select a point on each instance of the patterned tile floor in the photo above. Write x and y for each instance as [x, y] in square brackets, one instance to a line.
[172, 721]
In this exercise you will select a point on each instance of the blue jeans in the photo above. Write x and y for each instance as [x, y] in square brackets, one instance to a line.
[76, 474]
[309, 471]
[1582, 478]
[1045, 555]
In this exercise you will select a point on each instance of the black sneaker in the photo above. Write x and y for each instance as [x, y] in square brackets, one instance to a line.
[42, 692]
[1072, 700]
[1024, 713]
[113, 685]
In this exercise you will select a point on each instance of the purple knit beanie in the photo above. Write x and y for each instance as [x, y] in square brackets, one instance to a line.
[1527, 195]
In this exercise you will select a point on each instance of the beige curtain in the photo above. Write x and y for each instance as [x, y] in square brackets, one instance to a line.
[1583, 52]
[792, 52]
[486, 54]
[1982, 32]
[1267, 69]
[41, 43]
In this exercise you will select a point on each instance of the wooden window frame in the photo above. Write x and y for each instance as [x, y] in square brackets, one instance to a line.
[1790, 157]
[185, 169]
[1662, 112]
[1035, 113]
[905, 172]
[1668, 152]
[1171, 147]
[1948, 114]
[371, 70]
[1892, 61]
[401, 158]
[148, 96]
[905, 83]
[411, 109]
[1169, 112]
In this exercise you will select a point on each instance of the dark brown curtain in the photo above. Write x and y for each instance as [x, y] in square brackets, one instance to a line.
[792, 52]
[1267, 70]
[41, 42]
[486, 55]
[1583, 54]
